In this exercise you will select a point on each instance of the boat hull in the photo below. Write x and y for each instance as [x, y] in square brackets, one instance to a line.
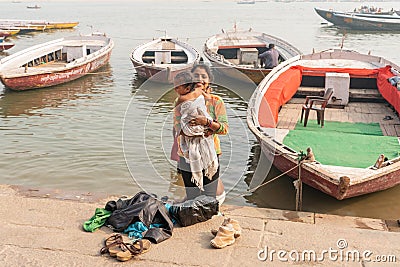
[324, 183]
[5, 46]
[255, 75]
[360, 23]
[157, 74]
[54, 78]
[328, 16]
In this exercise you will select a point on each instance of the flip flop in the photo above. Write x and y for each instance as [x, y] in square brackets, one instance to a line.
[113, 244]
[146, 245]
[129, 251]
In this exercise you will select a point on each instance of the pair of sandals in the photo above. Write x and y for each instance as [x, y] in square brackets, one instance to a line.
[116, 246]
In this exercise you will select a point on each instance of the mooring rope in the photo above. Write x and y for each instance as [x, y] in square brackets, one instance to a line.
[261, 185]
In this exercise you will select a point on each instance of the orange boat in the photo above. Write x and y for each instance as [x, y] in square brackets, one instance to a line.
[357, 127]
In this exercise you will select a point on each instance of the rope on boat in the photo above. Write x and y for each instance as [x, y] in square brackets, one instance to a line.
[298, 184]
[267, 182]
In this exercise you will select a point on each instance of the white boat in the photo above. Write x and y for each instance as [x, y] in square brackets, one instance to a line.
[360, 124]
[55, 62]
[236, 52]
[163, 58]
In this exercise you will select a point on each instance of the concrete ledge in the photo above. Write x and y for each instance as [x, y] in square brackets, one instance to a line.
[44, 228]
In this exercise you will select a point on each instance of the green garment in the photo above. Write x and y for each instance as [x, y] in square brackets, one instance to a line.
[99, 218]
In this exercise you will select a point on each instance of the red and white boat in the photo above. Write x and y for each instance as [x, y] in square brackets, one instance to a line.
[163, 58]
[360, 121]
[5, 45]
[55, 62]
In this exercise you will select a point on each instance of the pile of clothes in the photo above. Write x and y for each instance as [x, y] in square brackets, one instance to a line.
[145, 216]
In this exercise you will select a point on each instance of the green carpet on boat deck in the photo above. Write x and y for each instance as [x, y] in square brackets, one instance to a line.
[343, 143]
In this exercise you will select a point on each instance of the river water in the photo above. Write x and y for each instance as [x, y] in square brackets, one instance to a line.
[111, 131]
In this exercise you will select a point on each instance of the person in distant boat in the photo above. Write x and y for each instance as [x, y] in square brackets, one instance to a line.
[198, 161]
[270, 57]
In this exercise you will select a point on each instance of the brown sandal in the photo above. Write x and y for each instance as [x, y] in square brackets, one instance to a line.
[145, 244]
[113, 245]
[129, 251]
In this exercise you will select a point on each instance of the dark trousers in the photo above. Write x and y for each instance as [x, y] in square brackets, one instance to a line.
[192, 190]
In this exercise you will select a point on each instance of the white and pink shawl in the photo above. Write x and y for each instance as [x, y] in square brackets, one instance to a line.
[198, 150]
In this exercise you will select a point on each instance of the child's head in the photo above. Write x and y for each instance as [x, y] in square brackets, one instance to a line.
[183, 83]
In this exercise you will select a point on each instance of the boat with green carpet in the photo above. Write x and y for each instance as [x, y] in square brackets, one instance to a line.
[341, 104]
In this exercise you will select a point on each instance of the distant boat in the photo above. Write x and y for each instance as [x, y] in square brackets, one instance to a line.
[235, 53]
[163, 58]
[358, 22]
[36, 25]
[329, 14]
[246, 1]
[8, 32]
[357, 130]
[55, 62]
[34, 7]
[5, 45]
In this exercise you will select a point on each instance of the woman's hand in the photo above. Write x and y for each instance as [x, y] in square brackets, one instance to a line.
[199, 120]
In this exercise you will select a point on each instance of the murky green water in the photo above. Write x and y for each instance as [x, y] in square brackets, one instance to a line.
[71, 136]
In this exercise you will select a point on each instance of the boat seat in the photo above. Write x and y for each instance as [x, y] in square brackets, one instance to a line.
[318, 104]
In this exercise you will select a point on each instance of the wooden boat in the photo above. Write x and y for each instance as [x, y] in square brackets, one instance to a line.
[162, 58]
[8, 32]
[235, 53]
[329, 14]
[55, 62]
[36, 25]
[358, 21]
[362, 95]
[5, 45]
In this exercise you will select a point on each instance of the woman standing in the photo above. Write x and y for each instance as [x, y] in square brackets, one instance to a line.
[216, 108]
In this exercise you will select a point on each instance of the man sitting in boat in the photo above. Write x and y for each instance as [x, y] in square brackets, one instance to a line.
[270, 57]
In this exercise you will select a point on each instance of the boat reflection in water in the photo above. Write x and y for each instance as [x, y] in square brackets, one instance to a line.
[34, 102]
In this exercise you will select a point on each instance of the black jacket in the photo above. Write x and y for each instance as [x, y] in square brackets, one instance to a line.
[142, 207]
